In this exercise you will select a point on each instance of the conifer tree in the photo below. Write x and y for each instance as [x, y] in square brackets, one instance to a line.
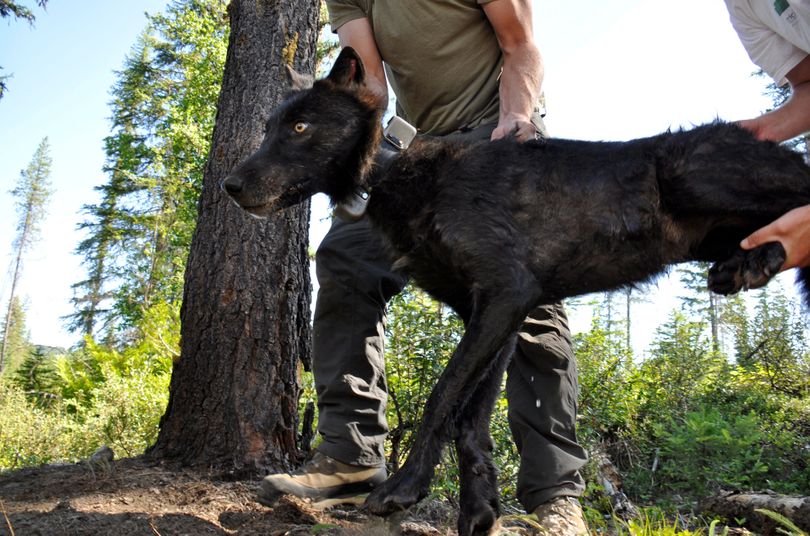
[163, 111]
[701, 301]
[15, 336]
[31, 194]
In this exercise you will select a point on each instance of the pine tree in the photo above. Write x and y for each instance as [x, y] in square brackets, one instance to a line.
[778, 344]
[701, 301]
[163, 114]
[15, 335]
[18, 11]
[37, 377]
[681, 366]
[32, 193]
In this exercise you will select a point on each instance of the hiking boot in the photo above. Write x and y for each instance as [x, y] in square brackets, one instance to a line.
[562, 516]
[322, 478]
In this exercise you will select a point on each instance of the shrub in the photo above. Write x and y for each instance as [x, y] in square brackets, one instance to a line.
[706, 451]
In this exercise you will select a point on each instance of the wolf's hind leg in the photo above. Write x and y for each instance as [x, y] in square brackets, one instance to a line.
[478, 475]
[747, 269]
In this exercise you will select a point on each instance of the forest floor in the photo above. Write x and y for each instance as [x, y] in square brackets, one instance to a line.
[132, 497]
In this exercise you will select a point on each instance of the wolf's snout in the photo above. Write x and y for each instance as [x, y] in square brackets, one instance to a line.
[232, 184]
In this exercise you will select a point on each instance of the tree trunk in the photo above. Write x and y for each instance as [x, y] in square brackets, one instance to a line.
[245, 316]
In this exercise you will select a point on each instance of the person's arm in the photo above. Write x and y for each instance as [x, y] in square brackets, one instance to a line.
[793, 117]
[788, 121]
[522, 73]
[358, 34]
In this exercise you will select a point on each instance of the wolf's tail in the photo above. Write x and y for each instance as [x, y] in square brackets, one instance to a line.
[803, 279]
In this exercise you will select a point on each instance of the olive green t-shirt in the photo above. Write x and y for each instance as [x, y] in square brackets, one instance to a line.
[441, 57]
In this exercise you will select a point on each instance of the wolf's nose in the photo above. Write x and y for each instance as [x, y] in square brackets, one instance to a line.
[231, 184]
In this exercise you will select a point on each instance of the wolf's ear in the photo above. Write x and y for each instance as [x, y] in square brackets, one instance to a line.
[299, 80]
[348, 69]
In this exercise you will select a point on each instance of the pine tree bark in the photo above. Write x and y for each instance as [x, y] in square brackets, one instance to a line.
[245, 317]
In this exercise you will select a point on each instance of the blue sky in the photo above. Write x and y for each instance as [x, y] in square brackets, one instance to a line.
[614, 70]
[62, 71]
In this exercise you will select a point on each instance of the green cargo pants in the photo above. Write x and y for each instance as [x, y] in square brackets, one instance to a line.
[356, 283]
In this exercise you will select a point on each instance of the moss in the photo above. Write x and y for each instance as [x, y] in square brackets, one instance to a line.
[288, 52]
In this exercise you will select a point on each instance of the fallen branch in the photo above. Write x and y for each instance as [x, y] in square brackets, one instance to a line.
[611, 482]
[738, 506]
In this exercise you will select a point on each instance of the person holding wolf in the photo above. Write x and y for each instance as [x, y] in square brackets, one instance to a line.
[462, 68]
[776, 35]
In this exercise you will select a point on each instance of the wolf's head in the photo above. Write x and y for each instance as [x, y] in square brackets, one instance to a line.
[321, 138]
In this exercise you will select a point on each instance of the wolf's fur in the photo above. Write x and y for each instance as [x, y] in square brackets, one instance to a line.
[495, 228]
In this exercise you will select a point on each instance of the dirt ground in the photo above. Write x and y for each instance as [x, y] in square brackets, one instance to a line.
[131, 497]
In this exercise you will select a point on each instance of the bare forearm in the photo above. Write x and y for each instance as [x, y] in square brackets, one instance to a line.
[786, 122]
[792, 118]
[359, 35]
[520, 82]
[522, 67]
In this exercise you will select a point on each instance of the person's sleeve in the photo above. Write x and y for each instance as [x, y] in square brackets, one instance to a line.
[343, 11]
[771, 52]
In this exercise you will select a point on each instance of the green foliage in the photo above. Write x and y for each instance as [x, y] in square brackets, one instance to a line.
[707, 451]
[681, 368]
[164, 105]
[687, 419]
[123, 413]
[37, 378]
[654, 522]
[30, 435]
[787, 526]
[608, 404]
[15, 337]
[421, 335]
[96, 395]
[18, 10]
[776, 344]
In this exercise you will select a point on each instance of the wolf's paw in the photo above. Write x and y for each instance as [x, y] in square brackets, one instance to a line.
[477, 522]
[478, 508]
[398, 493]
[747, 269]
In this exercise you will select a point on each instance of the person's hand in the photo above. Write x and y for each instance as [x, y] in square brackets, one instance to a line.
[793, 231]
[520, 127]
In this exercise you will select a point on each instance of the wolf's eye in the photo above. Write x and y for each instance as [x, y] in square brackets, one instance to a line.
[301, 127]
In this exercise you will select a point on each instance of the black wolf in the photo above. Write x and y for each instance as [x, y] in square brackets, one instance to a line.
[495, 228]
